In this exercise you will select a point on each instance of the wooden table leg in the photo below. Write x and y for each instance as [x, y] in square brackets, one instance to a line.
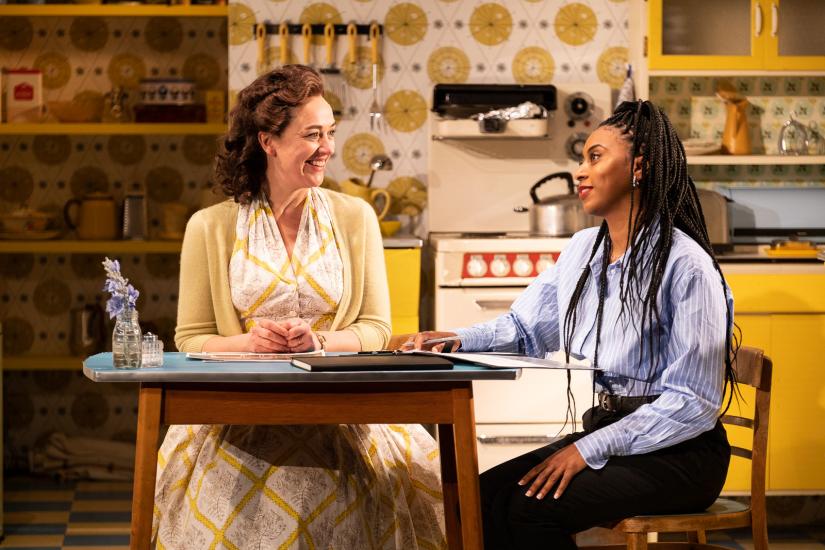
[449, 484]
[146, 462]
[469, 494]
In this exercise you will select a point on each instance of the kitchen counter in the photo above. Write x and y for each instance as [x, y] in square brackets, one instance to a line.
[403, 241]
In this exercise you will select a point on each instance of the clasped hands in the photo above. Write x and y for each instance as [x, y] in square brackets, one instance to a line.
[293, 335]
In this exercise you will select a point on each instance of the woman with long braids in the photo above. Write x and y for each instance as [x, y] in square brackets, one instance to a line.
[644, 299]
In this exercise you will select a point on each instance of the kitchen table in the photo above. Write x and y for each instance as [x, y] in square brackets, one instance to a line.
[185, 391]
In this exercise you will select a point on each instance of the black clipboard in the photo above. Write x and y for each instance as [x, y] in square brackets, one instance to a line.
[372, 362]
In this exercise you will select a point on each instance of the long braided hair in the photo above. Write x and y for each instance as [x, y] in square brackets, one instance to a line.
[667, 200]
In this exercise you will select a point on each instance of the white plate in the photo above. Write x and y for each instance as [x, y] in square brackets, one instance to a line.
[700, 147]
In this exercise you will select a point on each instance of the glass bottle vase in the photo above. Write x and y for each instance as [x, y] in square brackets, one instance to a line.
[127, 340]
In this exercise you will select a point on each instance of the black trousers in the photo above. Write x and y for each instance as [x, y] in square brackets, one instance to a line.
[686, 477]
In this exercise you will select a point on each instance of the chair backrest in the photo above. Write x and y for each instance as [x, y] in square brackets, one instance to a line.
[753, 368]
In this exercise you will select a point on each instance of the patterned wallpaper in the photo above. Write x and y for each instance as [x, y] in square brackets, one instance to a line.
[82, 58]
[697, 113]
[427, 42]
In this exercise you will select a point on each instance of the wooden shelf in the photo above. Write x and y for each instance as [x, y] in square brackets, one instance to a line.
[755, 159]
[97, 128]
[43, 362]
[722, 72]
[58, 246]
[113, 10]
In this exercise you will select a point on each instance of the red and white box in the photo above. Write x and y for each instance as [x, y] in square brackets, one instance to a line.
[24, 95]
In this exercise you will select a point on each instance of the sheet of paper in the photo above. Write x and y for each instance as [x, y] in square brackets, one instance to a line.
[512, 361]
[250, 356]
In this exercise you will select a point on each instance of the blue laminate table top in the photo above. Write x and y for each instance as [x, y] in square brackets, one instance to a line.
[177, 368]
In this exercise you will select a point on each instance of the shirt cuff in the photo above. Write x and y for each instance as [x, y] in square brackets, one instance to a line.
[472, 339]
[596, 448]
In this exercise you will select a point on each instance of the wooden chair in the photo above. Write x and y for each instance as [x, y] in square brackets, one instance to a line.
[754, 369]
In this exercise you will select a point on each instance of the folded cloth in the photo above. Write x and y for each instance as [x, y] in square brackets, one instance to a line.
[83, 458]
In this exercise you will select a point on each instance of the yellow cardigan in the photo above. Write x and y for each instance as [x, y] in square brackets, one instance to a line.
[205, 306]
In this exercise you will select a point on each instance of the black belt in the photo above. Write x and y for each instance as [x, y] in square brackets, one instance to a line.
[623, 404]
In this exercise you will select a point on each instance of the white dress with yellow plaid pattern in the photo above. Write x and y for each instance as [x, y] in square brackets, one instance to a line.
[316, 487]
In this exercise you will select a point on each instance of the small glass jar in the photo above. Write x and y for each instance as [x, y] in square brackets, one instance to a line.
[152, 351]
[126, 341]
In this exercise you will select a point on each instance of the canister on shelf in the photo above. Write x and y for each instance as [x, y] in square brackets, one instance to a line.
[134, 216]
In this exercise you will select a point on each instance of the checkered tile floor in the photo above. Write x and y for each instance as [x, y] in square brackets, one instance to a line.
[41, 514]
[45, 515]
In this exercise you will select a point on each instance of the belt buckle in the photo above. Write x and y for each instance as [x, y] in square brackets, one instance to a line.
[604, 402]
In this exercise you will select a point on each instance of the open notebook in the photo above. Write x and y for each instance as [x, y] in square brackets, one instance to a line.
[250, 356]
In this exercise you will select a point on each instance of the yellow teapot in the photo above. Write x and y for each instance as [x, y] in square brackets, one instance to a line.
[379, 199]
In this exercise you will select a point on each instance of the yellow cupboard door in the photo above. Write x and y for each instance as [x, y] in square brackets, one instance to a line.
[756, 332]
[404, 278]
[706, 34]
[796, 440]
[795, 39]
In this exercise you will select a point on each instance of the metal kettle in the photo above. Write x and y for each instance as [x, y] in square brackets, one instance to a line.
[557, 215]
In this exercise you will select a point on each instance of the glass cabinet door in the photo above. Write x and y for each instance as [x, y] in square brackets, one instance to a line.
[705, 34]
[797, 34]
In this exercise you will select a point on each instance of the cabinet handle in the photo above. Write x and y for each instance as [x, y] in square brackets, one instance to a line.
[516, 439]
[758, 22]
[494, 304]
[774, 19]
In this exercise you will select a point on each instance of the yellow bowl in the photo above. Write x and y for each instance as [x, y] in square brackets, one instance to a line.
[389, 227]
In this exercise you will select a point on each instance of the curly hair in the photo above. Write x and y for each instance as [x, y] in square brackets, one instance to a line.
[266, 105]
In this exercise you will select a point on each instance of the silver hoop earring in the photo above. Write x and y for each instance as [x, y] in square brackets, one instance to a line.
[635, 183]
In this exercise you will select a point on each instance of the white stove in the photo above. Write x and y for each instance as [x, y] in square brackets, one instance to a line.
[482, 256]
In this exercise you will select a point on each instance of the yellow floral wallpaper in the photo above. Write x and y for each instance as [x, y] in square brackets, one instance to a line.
[427, 42]
[82, 58]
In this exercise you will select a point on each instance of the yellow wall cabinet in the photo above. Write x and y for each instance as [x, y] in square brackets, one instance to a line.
[757, 35]
[784, 314]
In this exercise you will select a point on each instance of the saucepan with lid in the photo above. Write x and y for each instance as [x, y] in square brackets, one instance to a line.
[557, 215]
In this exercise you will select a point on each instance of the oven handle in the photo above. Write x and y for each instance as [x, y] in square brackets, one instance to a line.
[516, 439]
[494, 304]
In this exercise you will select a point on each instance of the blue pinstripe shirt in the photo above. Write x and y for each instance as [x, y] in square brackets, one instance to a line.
[689, 373]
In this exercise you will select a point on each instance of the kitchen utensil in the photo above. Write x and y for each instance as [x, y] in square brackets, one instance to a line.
[793, 138]
[260, 40]
[715, 210]
[735, 137]
[378, 162]
[352, 40]
[333, 78]
[134, 216]
[306, 32]
[26, 220]
[87, 330]
[558, 215]
[376, 116]
[283, 42]
[374, 197]
[93, 217]
[389, 227]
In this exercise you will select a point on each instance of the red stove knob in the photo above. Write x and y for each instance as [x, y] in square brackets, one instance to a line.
[523, 267]
[500, 267]
[476, 266]
[545, 261]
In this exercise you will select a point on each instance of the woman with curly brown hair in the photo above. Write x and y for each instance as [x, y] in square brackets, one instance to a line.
[287, 267]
